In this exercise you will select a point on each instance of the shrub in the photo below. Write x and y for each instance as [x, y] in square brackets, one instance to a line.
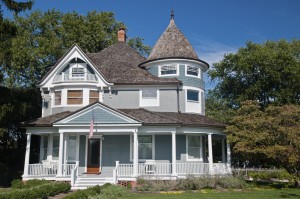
[112, 192]
[41, 191]
[82, 194]
[279, 174]
[17, 184]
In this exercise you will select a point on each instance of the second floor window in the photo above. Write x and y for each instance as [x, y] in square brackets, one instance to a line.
[149, 97]
[94, 96]
[192, 95]
[75, 97]
[57, 98]
[192, 71]
[168, 70]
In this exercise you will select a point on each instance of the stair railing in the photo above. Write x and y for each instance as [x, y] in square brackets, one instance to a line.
[74, 174]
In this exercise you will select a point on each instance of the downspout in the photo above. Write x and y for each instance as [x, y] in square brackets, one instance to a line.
[178, 105]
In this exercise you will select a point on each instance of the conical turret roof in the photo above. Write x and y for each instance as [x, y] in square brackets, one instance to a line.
[172, 44]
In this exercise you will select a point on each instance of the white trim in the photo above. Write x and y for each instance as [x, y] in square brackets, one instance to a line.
[131, 148]
[53, 97]
[187, 148]
[77, 65]
[153, 102]
[188, 75]
[160, 66]
[77, 146]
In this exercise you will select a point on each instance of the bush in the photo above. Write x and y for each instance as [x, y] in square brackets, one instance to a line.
[17, 184]
[112, 192]
[278, 174]
[42, 191]
[191, 183]
[84, 194]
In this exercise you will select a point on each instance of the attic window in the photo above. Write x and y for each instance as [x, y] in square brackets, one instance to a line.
[192, 71]
[166, 70]
[77, 70]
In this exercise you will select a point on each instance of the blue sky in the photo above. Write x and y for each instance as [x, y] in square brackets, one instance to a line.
[213, 27]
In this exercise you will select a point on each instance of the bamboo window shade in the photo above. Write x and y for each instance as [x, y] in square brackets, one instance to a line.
[75, 96]
[57, 97]
[94, 96]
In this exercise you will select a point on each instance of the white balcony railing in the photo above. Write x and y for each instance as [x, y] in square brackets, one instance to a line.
[154, 169]
[42, 169]
[189, 168]
[70, 78]
[124, 170]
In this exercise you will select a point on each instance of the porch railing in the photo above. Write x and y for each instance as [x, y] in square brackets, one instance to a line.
[49, 169]
[69, 78]
[192, 168]
[165, 169]
[74, 173]
[42, 170]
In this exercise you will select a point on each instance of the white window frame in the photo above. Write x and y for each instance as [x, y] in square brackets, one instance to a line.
[77, 65]
[193, 101]
[83, 96]
[131, 148]
[201, 148]
[188, 75]
[61, 98]
[152, 102]
[165, 75]
[68, 149]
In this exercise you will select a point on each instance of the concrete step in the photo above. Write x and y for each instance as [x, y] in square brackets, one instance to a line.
[86, 181]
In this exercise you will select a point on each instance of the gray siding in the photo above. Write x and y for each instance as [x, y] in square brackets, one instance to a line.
[115, 148]
[163, 147]
[167, 101]
[182, 100]
[181, 148]
[47, 105]
[122, 98]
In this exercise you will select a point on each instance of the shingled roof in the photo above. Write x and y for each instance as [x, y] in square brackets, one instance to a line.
[145, 116]
[119, 65]
[172, 44]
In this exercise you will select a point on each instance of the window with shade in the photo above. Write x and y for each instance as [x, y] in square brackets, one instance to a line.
[192, 71]
[57, 98]
[45, 147]
[94, 96]
[145, 147]
[75, 97]
[72, 148]
[168, 70]
[55, 147]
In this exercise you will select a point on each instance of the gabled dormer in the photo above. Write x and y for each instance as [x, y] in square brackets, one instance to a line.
[72, 83]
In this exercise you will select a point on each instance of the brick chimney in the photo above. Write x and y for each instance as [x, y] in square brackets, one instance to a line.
[122, 35]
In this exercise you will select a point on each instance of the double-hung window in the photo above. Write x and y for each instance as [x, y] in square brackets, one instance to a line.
[72, 148]
[55, 150]
[149, 97]
[75, 97]
[194, 150]
[145, 147]
[45, 147]
[57, 98]
[192, 71]
[168, 70]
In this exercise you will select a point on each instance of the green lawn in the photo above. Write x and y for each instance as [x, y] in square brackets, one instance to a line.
[210, 194]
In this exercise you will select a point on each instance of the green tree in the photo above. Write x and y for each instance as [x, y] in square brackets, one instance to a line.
[138, 45]
[273, 133]
[42, 38]
[268, 73]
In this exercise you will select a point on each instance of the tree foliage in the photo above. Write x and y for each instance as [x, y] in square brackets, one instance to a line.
[268, 73]
[42, 38]
[273, 133]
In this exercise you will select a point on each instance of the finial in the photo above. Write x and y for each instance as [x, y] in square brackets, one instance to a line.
[172, 13]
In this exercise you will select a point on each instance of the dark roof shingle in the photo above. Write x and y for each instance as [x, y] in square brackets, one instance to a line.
[119, 65]
[46, 121]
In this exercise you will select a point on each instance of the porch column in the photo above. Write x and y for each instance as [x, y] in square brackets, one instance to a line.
[135, 153]
[27, 155]
[210, 153]
[228, 157]
[174, 153]
[61, 154]
[223, 150]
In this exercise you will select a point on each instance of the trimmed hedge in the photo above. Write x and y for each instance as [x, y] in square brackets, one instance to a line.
[33, 191]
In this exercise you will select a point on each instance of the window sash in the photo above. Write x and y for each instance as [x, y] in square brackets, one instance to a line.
[191, 70]
[149, 94]
[45, 147]
[71, 148]
[94, 96]
[194, 147]
[55, 150]
[193, 95]
[57, 98]
[168, 70]
[145, 147]
[75, 97]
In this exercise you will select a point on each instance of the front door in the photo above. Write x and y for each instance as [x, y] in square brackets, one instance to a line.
[93, 160]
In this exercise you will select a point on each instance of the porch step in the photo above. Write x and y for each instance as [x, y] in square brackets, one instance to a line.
[86, 182]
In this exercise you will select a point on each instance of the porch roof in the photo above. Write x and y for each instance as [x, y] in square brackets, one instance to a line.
[148, 118]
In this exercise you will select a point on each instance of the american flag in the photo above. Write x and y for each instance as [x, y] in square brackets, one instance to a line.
[92, 125]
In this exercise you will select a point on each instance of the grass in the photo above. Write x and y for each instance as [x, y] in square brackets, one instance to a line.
[228, 194]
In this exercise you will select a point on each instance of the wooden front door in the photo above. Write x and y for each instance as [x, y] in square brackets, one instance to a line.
[93, 160]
